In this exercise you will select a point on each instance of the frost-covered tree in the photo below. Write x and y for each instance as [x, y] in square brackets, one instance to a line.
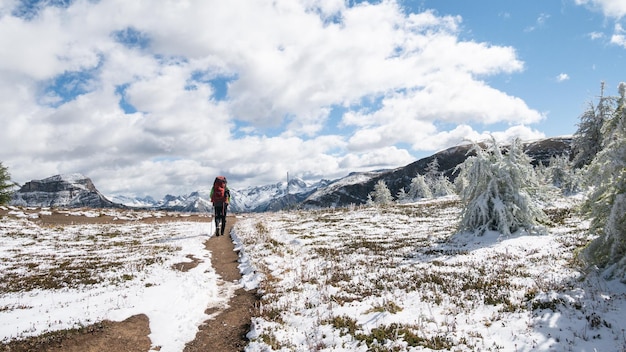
[432, 170]
[441, 186]
[401, 196]
[6, 186]
[419, 188]
[558, 170]
[588, 138]
[561, 173]
[369, 201]
[381, 194]
[438, 184]
[496, 189]
[606, 203]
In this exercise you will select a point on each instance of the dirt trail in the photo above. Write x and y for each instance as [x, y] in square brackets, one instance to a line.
[226, 332]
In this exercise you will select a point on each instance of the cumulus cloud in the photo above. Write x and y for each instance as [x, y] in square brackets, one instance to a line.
[128, 92]
[610, 8]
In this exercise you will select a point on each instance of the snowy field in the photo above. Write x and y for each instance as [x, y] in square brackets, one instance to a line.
[356, 279]
[392, 279]
[63, 277]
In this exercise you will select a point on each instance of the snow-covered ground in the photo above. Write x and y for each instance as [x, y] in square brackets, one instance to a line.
[61, 277]
[392, 279]
[357, 279]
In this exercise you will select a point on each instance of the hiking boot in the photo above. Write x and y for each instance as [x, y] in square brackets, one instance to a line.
[217, 227]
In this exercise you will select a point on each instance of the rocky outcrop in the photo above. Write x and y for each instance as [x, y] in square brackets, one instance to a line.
[62, 191]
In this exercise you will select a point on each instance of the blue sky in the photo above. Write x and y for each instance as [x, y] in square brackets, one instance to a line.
[566, 51]
[157, 97]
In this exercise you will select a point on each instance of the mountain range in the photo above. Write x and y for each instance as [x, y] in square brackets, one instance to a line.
[76, 190]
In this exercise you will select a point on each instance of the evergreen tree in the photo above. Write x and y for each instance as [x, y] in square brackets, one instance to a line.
[418, 188]
[381, 194]
[561, 174]
[496, 190]
[401, 197]
[369, 201]
[588, 138]
[432, 170]
[441, 186]
[6, 186]
[438, 184]
[606, 203]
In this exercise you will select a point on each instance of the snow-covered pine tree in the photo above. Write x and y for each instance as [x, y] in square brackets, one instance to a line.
[6, 186]
[606, 203]
[381, 194]
[497, 190]
[587, 141]
[561, 174]
[418, 188]
[369, 201]
[432, 170]
[401, 196]
[438, 184]
[441, 186]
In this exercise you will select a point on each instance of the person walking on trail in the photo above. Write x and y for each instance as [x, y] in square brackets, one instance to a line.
[220, 197]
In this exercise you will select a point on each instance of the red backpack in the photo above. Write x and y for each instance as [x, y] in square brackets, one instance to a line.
[219, 194]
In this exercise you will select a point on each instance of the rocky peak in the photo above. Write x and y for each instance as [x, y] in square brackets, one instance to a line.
[70, 190]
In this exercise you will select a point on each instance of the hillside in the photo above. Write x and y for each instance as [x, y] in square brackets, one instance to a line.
[355, 188]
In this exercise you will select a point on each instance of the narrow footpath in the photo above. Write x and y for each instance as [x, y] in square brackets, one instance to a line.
[227, 331]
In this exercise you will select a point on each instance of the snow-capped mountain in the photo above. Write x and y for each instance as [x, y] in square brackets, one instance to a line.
[198, 201]
[271, 197]
[70, 190]
[134, 202]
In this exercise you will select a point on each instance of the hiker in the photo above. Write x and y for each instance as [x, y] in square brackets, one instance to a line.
[220, 197]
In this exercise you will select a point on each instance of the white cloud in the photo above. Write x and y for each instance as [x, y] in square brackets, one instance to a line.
[410, 116]
[401, 77]
[562, 77]
[518, 131]
[610, 8]
[464, 133]
[596, 35]
[615, 9]
[543, 18]
[381, 158]
[619, 39]
[619, 36]
[539, 22]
